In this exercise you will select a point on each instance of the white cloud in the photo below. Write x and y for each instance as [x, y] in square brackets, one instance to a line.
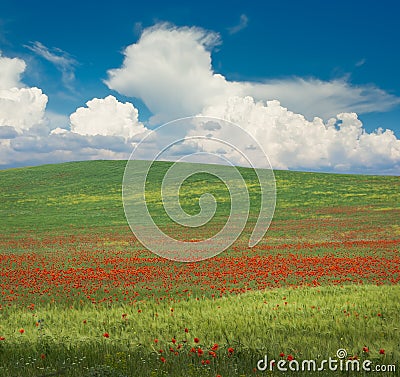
[21, 108]
[291, 141]
[61, 59]
[11, 70]
[170, 69]
[244, 20]
[107, 117]
[30, 135]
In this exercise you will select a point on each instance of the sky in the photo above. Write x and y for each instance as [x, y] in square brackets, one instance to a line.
[315, 83]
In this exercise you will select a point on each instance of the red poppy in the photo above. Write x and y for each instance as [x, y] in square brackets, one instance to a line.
[381, 351]
[2, 338]
[186, 330]
[42, 356]
[215, 347]
[290, 357]
[282, 354]
[196, 340]
[230, 350]
[163, 359]
[156, 340]
[106, 335]
[173, 340]
[365, 349]
[21, 331]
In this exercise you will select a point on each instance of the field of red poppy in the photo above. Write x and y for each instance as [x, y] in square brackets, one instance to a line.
[80, 296]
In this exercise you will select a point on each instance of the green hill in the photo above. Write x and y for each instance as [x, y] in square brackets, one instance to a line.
[87, 194]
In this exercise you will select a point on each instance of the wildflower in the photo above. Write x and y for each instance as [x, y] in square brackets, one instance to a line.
[106, 335]
[2, 338]
[230, 350]
[290, 357]
[186, 330]
[156, 340]
[200, 351]
[42, 356]
[365, 349]
[196, 340]
[163, 359]
[84, 321]
[124, 315]
[282, 354]
[173, 340]
[212, 353]
[215, 347]
[21, 331]
[381, 351]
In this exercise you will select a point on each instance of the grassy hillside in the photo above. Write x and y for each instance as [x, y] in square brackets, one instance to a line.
[88, 194]
[81, 297]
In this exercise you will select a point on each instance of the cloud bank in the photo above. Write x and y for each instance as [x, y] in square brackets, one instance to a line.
[104, 129]
[170, 69]
[305, 124]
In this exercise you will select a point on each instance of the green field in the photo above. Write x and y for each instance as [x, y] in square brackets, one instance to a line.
[93, 302]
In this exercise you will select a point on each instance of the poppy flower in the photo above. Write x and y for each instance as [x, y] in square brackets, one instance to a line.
[106, 335]
[282, 354]
[230, 350]
[2, 338]
[290, 357]
[365, 349]
[163, 359]
[21, 331]
[381, 351]
[196, 340]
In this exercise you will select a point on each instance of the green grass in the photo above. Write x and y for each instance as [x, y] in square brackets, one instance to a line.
[63, 218]
[308, 323]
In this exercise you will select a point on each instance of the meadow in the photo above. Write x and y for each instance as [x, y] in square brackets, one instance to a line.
[80, 296]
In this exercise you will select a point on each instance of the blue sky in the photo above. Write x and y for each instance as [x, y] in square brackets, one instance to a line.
[347, 43]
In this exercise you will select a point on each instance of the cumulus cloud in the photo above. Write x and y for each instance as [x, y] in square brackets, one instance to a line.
[105, 129]
[20, 108]
[61, 59]
[30, 135]
[170, 69]
[291, 141]
[11, 70]
[107, 117]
